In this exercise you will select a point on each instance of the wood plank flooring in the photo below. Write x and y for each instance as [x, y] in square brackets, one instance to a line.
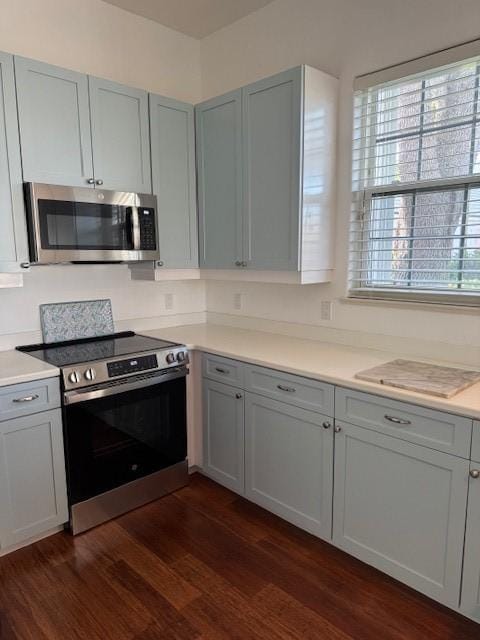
[205, 564]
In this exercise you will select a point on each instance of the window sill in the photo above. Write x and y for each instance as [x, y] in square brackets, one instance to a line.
[419, 304]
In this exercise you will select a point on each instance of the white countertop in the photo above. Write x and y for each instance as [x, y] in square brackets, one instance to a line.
[18, 367]
[334, 363]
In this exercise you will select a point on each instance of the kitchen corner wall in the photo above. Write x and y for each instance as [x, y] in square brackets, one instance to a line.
[137, 305]
[93, 37]
[345, 38]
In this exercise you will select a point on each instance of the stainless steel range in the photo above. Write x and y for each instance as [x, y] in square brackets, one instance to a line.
[124, 417]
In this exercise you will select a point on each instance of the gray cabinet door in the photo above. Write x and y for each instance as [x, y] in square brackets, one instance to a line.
[173, 178]
[33, 495]
[476, 441]
[219, 166]
[470, 602]
[120, 136]
[289, 462]
[272, 117]
[54, 124]
[13, 234]
[223, 434]
[401, 508]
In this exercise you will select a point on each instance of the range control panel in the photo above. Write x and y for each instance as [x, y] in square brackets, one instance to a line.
[132, 365]
[88, 373]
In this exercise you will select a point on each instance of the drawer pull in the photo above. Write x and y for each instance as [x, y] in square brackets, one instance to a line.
[475, 473]
[220, 370]
[284, 388]
[395, 420]
[26, 398]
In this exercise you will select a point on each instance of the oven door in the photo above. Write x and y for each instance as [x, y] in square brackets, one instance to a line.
[89, 225]
[114, 439]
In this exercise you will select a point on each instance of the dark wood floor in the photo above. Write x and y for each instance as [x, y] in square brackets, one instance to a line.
[204, 563]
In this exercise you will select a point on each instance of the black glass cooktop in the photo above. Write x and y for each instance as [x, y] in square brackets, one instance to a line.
[61, 354]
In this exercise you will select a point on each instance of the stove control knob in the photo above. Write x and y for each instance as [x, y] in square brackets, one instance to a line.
[90, 374]
[74, 377]
[181, 356]
[170, 358]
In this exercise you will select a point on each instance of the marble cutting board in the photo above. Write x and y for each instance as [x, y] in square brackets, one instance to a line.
[421, 377]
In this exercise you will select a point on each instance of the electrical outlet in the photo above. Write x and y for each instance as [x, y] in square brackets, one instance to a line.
[238, 301]
[169, 301]
[326, 310]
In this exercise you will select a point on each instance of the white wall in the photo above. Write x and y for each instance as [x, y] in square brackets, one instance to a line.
[97, 38]
[137, 305]
[344, 38]
[94, 37]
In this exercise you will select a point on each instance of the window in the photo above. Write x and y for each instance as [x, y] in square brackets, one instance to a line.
[416, 180]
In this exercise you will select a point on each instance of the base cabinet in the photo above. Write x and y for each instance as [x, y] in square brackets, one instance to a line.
[401, 508]
[33, 496]
[470, 602]
[289, 462]
[223, 434]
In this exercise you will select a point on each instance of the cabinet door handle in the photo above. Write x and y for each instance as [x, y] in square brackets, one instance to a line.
[284, 388]
[244, 263]
[220, 370]
[396, 420]
[25, 265]
[238, 263]
[99, 182]
[475, 473]
[337, 428]
[326, 425]
[238, 396]
[26, 398]
[91, 181]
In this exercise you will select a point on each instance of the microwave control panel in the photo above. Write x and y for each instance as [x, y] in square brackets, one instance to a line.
[148, 236]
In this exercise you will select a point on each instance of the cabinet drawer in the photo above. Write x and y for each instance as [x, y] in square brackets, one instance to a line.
[476, 441]
[223, 369]
[29, 397]
[301, 392]
[427, 427]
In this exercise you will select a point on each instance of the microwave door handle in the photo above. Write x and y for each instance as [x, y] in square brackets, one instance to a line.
[134, 230]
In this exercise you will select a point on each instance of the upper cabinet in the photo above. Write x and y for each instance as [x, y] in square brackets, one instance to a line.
[78, 130]
[266, 164]
[54, 119]
[173, 180]
[13, 237]
[220, 183]
[272, 118]
[120, 136]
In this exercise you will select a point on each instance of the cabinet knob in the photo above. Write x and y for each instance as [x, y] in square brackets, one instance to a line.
[238, 263]
[99, 182]
[326, 425]
[160, 263]
[338, 428]
[238, 396]
[244, 263]
[475, 473]
[25, 265]
[91, 181]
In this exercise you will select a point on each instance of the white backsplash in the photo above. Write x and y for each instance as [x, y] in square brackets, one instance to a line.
[137, 305]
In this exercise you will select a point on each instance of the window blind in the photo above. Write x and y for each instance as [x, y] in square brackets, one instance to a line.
[415, 230]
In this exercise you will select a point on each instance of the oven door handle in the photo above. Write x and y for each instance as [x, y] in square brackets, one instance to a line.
[83, 395]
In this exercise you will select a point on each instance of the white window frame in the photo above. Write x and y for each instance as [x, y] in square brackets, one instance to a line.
[362, 198]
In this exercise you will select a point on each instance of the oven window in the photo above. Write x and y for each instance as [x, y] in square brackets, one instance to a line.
[114, 440]
[83, 225]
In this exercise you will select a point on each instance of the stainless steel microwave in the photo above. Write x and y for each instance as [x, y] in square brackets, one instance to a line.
[80, 224]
